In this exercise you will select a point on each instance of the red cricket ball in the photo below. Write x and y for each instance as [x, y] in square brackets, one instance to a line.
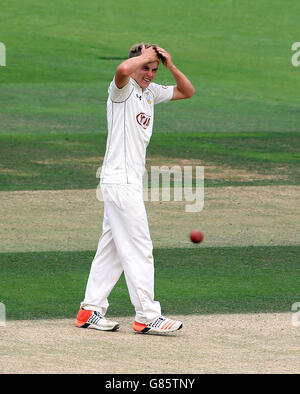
[196, 236]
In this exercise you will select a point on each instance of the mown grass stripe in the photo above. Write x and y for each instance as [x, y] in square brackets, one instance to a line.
[63, 161]
[197, 280]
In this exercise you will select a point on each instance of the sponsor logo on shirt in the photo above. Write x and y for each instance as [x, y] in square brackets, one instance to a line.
[143, 119]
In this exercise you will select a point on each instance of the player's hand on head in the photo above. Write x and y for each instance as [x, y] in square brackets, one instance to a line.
[165, 56]
[143, 49]
[150, 54]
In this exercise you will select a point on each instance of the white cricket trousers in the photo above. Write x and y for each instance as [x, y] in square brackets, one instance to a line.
[125, 245]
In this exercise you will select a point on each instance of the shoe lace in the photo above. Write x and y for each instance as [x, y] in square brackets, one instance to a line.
[158, 321]
[96, 316]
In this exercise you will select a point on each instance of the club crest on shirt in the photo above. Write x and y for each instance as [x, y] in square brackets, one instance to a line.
[143, 119]
[148, 98]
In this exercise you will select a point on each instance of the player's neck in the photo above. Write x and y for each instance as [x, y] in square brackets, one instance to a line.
[141, 87]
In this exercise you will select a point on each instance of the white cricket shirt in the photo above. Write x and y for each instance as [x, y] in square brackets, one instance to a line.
[130, 113]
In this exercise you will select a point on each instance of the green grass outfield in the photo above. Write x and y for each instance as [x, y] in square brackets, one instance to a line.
[245, 115]
[207, 280]
[62, 161]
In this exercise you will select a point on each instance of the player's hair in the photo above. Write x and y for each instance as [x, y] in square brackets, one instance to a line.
[136, 49]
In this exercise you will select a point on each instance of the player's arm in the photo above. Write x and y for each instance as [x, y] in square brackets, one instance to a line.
[130, 65]
[184, 88]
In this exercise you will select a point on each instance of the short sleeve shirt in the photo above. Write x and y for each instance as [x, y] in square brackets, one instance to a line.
[130, 114]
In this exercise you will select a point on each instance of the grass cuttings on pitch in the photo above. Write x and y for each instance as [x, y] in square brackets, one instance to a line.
[64, 161]
[198, 280]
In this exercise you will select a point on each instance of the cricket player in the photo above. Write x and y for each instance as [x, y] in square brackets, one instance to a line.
[125, 244]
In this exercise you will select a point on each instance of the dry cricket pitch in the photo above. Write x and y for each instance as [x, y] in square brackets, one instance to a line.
[252, 343]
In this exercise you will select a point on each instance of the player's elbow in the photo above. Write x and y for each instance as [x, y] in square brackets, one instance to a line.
[123, 70]
[188, 92]
[191, 92]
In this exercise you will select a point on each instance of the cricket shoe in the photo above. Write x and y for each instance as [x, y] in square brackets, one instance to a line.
[160, 324]
[93, 319]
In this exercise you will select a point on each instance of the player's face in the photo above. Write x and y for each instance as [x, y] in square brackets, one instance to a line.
[145, 74]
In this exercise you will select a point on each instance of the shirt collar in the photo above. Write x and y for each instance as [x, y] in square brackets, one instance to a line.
[133, 81]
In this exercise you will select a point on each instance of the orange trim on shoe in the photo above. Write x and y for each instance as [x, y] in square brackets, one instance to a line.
[82, 317]
[170, 325]
[163, 326]
[167, 324]
[139, 327]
